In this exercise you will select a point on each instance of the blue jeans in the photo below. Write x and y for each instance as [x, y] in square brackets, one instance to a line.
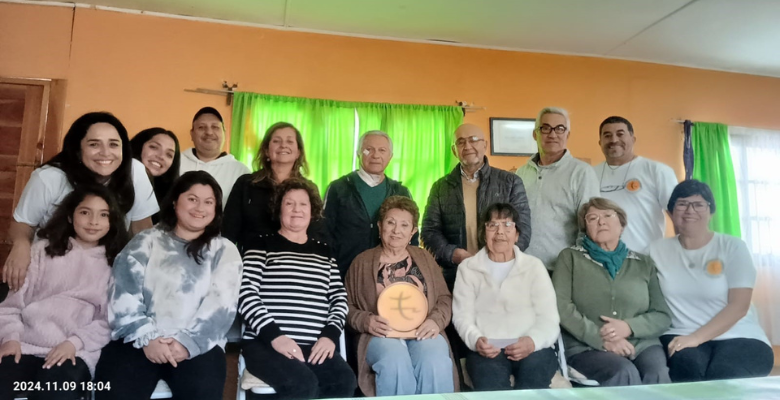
[405, 367]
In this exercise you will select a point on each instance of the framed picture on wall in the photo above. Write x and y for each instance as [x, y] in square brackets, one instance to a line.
[512, 137]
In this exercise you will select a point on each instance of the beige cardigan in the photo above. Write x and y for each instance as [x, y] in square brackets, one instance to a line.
[362, 299]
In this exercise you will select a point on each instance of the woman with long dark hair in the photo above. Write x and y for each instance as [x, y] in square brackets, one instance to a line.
[173, 300]
[53, 328]
[96, 149]
[158, 150]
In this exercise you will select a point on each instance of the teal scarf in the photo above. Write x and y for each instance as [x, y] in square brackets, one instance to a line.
[611, 260]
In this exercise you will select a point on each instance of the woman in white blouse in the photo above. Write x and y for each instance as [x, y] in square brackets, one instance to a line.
[96, 149]
[504, 309]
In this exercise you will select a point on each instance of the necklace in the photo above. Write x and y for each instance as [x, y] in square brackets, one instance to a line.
[614, 188]
[390, 259]
[686, 255]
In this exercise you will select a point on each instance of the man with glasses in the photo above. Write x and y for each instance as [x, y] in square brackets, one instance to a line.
[640, 186]
[557, 184]
[360, 194]
[450, 223]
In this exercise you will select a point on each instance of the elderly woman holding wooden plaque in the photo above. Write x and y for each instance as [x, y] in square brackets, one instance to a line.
[504, 309]
[399, 304]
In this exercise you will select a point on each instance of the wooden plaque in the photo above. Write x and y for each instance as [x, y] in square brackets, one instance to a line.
[405, 307]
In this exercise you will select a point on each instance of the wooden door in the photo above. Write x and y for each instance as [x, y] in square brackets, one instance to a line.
[24, 107]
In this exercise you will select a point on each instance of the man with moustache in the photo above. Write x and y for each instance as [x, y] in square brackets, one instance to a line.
[208, 136]
[557, 185]
[450, 223]
[640, 186]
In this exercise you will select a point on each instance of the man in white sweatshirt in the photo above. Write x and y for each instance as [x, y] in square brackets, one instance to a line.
[208, 135]
[557, 184]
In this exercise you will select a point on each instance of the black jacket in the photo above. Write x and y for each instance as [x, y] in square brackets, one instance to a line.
[444, 223]
[248, 213]
[351, 230]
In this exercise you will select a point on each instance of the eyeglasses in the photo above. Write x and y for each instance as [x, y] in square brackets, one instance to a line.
[461, 142]
[698, 206]
[493, 226]
[612, 188]
[547, 129]
[594, 218]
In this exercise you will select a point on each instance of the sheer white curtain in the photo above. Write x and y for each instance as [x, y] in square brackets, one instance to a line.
[756, 156]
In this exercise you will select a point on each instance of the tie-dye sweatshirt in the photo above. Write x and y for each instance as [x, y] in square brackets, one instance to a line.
[63, 298]
[160, 291]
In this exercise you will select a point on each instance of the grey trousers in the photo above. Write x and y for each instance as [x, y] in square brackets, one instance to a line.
[610, 369]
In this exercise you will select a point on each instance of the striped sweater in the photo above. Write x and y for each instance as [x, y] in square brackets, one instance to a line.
[291, 289]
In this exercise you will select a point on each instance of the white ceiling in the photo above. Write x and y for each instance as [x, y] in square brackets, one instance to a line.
[730, 35]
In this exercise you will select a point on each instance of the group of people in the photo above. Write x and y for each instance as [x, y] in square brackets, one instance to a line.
[131, 260]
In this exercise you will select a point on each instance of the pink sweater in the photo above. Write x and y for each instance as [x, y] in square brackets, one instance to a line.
[63, 298]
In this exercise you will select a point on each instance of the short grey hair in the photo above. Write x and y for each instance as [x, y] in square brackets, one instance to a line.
[553, 110]
[374, 133]
[600, 203]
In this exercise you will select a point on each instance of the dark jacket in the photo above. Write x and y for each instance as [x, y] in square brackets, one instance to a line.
[444, 223]
[248, 213]
[350, 229]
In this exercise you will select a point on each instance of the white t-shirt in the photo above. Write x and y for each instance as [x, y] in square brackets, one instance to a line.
[49, 185]
[499, 270]
[696, 283]
[642, 189]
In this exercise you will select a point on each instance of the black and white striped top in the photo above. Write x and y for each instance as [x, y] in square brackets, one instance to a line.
[291, 289]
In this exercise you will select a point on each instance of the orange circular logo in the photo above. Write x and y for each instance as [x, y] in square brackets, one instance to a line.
[404, 306]
[633, 185]
[714, 267]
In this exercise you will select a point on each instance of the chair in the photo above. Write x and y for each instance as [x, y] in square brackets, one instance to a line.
[162, 391]
[571, 374]
[265, 388]
[568, 373]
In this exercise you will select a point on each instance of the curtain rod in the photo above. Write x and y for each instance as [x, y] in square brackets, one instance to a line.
[469, 107]
[209, 91]
[229, 93]
[227, 90]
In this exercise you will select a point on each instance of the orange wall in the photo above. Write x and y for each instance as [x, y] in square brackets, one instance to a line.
[34, 41]
[138, 67]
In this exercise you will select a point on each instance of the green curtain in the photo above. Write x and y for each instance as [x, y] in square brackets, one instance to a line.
[422, 139]
[327, 128]
[421, 136]
[712, 165]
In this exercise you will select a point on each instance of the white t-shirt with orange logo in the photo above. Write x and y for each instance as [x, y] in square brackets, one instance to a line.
[641, 188]
[696, 283]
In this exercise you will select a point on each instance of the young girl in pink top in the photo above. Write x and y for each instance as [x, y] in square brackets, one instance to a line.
[53, 328]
